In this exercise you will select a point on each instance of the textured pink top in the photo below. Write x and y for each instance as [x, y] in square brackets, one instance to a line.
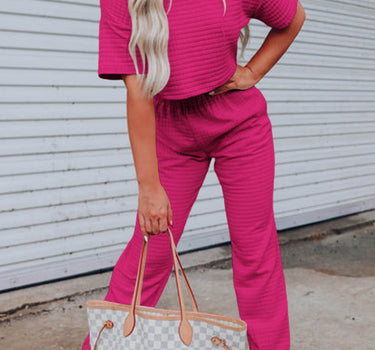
[202, 46]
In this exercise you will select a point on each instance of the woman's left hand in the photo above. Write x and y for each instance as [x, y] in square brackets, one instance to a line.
[243, 78]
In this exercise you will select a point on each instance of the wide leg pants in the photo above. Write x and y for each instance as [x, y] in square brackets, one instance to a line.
[235, 130]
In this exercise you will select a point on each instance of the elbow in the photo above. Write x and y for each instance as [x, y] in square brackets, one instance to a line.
[300, 14]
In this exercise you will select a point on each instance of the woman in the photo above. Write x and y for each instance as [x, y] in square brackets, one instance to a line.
[194, 103]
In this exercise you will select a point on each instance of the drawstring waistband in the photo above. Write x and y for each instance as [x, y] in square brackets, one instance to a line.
[194, 104]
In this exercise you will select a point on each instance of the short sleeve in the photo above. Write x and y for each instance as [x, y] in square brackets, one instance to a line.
[114, 36]
[276, 13]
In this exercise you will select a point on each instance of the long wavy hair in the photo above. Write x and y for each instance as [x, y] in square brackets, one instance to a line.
[150, 32]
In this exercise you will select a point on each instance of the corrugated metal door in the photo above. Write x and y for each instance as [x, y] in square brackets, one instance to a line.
[68, 191]
[322, 107]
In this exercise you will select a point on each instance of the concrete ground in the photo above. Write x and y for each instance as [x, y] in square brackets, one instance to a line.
[330, 276]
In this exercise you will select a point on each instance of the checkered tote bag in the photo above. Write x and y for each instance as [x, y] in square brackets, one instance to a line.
[134, 327]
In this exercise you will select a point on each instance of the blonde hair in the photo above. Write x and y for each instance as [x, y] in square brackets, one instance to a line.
[150, 32]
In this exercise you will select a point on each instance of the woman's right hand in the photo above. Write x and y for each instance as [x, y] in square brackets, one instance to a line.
[154, 209]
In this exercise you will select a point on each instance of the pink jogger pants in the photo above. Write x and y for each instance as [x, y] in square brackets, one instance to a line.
[234, 128]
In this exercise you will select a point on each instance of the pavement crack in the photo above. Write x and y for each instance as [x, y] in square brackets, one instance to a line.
[5, 315]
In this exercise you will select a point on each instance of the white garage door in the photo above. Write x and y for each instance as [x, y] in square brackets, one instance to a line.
[68, 191]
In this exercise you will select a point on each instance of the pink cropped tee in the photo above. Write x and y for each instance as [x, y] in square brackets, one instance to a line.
[202, 46]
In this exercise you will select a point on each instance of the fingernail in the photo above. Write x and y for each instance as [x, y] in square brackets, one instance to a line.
[211, 93]
[171, 223]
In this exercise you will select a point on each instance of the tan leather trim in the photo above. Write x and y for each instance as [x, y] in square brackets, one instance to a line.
[129, 323]
[185, 329]
[166, 314]
[107, 324]
[190, 291]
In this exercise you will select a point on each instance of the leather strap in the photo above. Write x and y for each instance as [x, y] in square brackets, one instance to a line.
[185, 329]
[190, 291]
[107, 324]
[129, 323]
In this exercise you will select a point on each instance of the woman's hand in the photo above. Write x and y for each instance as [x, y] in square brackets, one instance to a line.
[274, 46]
[154, 209]
[243, 78]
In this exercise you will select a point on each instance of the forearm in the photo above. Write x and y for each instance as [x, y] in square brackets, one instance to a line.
[141, 127]
[275, 45]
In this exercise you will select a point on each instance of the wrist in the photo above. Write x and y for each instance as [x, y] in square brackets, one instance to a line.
[149, 184]
[256, 76]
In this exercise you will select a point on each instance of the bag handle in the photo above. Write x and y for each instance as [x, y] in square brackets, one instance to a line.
[174, 249]
[185, 329]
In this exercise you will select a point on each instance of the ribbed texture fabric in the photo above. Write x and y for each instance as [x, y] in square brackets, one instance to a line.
[233, 128]
[202, 46]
